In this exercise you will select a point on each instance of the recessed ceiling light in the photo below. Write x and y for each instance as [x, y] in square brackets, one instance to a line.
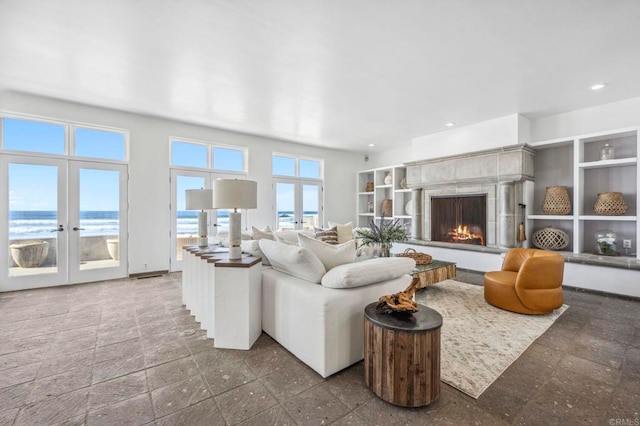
[371, 144]
[450, 124]
[598, 86]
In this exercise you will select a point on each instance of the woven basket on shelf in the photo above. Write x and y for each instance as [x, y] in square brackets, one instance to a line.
[550, 238]
[420, 258]
[610, 204]
[556, 200]
[369, 187]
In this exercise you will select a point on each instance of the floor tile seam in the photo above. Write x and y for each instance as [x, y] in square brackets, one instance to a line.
[584, 374]
[574, 393]
[57, 396]
[115, 377]
[117, 402]
[190, 403]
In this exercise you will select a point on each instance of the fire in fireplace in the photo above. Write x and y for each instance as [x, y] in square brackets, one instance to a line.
[459, 219]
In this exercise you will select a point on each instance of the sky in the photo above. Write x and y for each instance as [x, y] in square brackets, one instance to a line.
[34, 186]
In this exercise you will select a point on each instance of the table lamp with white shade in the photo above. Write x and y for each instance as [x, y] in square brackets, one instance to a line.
[200, 199]
[235, 194]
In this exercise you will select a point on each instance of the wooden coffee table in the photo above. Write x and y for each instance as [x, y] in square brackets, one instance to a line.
[434, 272]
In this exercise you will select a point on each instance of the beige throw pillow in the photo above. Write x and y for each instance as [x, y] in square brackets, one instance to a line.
[345, 232]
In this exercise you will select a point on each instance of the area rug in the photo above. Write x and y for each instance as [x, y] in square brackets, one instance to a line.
[479, 341]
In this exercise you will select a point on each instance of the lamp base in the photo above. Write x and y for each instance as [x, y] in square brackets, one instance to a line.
[235, 236]
[203, 241]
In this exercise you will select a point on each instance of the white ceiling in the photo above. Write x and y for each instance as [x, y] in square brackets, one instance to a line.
[325, 72]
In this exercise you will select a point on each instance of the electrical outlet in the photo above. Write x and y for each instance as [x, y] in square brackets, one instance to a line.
[626, 243]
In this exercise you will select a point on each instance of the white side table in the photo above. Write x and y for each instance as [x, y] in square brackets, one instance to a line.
[237, 316]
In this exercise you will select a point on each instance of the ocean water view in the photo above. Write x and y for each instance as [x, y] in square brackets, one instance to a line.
[31, 224]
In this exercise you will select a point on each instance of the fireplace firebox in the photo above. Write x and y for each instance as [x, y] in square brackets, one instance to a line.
[459, 219]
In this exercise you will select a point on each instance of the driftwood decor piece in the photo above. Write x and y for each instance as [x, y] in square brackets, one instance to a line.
[399, 303]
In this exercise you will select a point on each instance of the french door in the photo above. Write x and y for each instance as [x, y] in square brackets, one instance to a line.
[298, 204]
[62, 221]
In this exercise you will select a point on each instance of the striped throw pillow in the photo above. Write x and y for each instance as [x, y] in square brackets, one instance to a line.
[329, 236]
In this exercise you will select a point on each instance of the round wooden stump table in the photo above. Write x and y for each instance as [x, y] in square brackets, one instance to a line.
[402, 356]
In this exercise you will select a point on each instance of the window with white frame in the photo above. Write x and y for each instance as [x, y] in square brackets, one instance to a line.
[51, 137]
[298, 191]
[205, 155]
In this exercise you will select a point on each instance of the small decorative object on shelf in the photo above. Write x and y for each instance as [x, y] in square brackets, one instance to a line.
[606, 242]
[607, 152]
[388, 179]
[550, 238]
[369, 187]
[370, 206]
[387, 208]
[610, 204]
[403, 183]
[556, 201]
[420, 258]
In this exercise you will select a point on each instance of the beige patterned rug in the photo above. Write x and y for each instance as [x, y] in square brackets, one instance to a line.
[479, 341]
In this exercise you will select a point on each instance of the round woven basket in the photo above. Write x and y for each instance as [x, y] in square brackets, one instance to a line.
[610, 204]
[550, 238]
[556, 200]
[368, 187]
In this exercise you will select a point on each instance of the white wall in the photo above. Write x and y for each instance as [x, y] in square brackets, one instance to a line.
[149, 191]
[605, 117]
[489, 134]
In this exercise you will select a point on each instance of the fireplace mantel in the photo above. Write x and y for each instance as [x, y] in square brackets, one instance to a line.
[507, 164]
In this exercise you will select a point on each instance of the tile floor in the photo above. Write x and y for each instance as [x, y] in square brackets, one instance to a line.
[111, 353]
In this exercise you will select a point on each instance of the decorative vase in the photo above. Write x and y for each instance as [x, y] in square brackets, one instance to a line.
[385, 249]
[113, 247]
[29, 254]
[388, 179]
[610, 204]
[605, 242]
[403, 183]
[556, 201]
[387, 208]
[607, 152]
[368, 187]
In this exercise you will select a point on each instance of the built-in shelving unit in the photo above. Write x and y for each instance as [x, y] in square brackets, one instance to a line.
[575, 162]
[387, 185]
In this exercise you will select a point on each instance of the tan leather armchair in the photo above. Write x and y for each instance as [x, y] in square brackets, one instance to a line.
[530, 282]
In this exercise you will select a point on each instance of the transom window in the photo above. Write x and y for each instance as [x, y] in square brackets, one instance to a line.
[204, 155]
[62, 138]
[292, 166]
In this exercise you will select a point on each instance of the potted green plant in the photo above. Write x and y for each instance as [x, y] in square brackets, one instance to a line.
[383, 235]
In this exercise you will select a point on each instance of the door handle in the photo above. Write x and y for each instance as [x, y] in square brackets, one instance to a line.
[60, 228]
[75, 228]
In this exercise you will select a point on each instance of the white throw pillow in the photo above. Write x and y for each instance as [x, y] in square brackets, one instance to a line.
[331, 255]
[345, 232]
[253, 248]
[291, 237]
[260, 234]
[367, 272]
[293, 260]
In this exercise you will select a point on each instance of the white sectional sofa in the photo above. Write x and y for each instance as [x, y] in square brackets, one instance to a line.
[318, 315]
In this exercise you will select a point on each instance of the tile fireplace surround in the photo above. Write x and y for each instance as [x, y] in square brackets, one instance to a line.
[502, 174]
